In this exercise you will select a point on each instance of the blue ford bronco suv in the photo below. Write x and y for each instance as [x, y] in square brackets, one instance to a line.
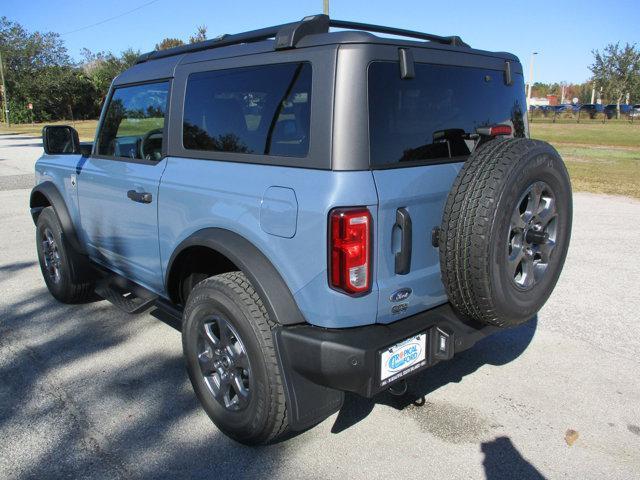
[324, 211]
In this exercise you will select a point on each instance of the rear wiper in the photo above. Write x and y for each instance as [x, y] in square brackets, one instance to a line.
[451, 134]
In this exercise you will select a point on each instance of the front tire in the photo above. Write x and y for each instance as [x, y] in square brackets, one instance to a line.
[65, 271]
[231, 359]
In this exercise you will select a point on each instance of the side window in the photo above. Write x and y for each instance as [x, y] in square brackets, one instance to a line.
[134, 123]
[260, 110]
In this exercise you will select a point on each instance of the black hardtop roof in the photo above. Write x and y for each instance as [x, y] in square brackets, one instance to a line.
[309, 32]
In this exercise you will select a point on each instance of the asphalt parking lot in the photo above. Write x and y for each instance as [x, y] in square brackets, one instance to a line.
[90, 392]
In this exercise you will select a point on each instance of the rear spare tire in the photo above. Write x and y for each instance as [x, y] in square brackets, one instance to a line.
[505, 231]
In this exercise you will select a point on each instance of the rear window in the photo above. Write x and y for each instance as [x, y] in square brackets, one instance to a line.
[433, 117]
[259, 110]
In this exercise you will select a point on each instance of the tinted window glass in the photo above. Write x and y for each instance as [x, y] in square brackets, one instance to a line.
[134, 122]
[260, 110]
[434, 116]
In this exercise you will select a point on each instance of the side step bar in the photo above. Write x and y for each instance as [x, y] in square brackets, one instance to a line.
[173, 311]
[126, 295]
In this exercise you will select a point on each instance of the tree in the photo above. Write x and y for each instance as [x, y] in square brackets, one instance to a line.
[543, 89]
[61, 92]
[583, 92]
[200, 36]
[102, 67]
[169, 43]
[39, 70]
[31, 60]
[617, 70]
[540, 89]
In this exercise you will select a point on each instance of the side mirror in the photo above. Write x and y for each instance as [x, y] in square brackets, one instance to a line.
[60, 140]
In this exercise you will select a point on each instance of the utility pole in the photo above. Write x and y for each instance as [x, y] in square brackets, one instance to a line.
[325, 7]
[533, 54]
[5, 97]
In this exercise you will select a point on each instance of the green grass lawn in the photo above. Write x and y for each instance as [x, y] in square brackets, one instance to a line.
[617, 133]
[603, 169]
[86, 128]
[601, 158]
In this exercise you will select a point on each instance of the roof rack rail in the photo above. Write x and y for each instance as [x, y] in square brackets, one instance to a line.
[288, 35]
[452, 40]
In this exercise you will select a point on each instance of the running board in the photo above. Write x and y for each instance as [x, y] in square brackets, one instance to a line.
[128, 297]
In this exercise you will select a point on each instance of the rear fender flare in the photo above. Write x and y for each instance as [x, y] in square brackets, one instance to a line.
[265, 278]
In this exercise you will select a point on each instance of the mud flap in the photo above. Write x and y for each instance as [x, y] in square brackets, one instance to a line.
[308, 403]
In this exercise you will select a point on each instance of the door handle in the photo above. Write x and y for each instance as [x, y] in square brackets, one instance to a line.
[140, 197]
[403, 257]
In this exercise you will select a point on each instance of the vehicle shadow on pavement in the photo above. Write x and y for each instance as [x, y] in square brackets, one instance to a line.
[497, 349]
[83, 394]
[15, 267]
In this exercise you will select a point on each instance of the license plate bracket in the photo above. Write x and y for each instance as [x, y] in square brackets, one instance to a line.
[403, 358]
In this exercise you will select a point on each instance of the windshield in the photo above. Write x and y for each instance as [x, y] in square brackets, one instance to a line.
[435, 116]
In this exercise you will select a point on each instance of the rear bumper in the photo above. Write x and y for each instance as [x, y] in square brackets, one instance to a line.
[319, 364]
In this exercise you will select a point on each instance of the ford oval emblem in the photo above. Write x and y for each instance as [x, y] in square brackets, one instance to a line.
[400, 295]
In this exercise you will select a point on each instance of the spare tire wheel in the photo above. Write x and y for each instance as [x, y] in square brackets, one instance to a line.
[505, 231]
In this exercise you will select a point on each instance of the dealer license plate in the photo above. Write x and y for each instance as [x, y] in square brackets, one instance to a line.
[403, 358]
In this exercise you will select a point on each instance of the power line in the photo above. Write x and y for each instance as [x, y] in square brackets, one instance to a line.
[111, 18]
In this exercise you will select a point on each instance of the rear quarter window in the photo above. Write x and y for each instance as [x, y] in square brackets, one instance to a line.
[433, 117]
[262, 110]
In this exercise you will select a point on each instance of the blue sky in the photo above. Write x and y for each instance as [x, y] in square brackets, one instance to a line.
[563, 32]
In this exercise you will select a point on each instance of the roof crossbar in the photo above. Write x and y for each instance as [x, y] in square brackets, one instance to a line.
[289, 34]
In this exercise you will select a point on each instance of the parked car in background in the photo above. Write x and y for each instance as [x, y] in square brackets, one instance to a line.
[546, 110]
[590, 110]
[566, 108]
[634, 112]
[610, 110]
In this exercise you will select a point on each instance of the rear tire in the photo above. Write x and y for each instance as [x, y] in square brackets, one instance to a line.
[505, 231]
[231, 359]
[67, 273]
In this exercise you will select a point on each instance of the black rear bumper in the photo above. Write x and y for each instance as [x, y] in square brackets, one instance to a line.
[320, 364]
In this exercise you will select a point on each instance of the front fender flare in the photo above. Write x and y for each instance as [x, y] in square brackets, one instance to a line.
[53, 197]
[265, 278]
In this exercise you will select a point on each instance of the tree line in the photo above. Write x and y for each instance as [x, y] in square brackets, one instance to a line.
[38, 70]
[615, 79]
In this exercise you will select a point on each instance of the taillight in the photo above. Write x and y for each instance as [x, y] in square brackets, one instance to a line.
[350, 250]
